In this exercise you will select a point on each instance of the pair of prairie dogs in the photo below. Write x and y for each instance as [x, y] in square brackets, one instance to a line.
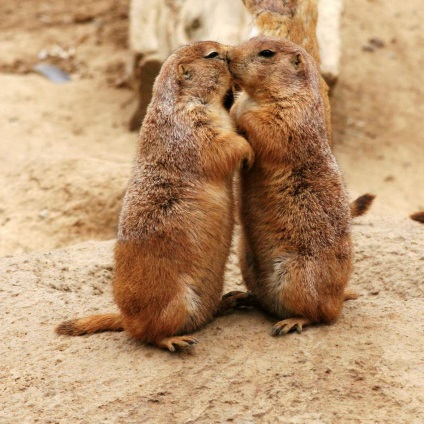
[177, 218]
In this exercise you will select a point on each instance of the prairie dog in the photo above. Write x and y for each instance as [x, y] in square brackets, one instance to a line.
[296, 21]
[296, 249]
[176, 222]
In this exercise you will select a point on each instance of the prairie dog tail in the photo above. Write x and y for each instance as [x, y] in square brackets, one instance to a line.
[418, 216]
[91, 324]
[361, 205]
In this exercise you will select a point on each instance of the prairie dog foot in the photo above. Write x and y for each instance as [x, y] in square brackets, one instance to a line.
[350, 295]
[181, 342]
[234, 300]
[291, 324]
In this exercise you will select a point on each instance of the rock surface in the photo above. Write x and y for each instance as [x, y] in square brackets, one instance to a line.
[367, 367]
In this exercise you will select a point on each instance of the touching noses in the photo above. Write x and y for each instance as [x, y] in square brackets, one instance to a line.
[228, 56]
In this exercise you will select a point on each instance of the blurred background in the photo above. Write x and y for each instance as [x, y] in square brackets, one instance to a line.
[66, 149]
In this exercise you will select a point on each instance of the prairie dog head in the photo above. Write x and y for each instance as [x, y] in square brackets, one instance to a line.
[197, 72]
[273, 69]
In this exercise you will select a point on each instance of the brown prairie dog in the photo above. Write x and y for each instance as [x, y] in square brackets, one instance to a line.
[296, 249]
[177, 218]
[294, 20]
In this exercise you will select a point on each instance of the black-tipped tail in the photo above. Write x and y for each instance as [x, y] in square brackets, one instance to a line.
[361, 205]
[418, 216]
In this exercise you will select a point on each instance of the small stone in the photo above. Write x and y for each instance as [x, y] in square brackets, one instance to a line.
[43, 214]
[368, 48]
[377, 42]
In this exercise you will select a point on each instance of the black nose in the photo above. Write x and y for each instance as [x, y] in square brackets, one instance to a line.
[227, 57]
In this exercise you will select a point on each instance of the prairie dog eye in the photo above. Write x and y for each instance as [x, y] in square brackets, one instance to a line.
[266, 53]
[211, 55]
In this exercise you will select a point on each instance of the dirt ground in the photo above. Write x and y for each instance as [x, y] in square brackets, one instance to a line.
[66, 156]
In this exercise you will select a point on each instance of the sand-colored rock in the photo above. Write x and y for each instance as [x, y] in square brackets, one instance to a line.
[66, 201]
[328, 33]
[368, 367]
[158, 27]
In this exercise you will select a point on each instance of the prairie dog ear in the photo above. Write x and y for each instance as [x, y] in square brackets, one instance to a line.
[297, 61]
[184, 72]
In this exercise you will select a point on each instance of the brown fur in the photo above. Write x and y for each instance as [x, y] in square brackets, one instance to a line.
[294, 20]
[418, 216]
[296, 249]
[361, 205]
[177, 218]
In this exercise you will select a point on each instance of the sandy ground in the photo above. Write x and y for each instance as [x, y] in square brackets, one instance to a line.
[66, 155]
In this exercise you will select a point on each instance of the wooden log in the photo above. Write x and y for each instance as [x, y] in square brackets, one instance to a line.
[158, 27]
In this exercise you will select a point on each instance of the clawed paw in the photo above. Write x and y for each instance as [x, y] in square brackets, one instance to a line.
[231, 294]
[235, 300]
[288, 325]
[177, 342]
[238, 299]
